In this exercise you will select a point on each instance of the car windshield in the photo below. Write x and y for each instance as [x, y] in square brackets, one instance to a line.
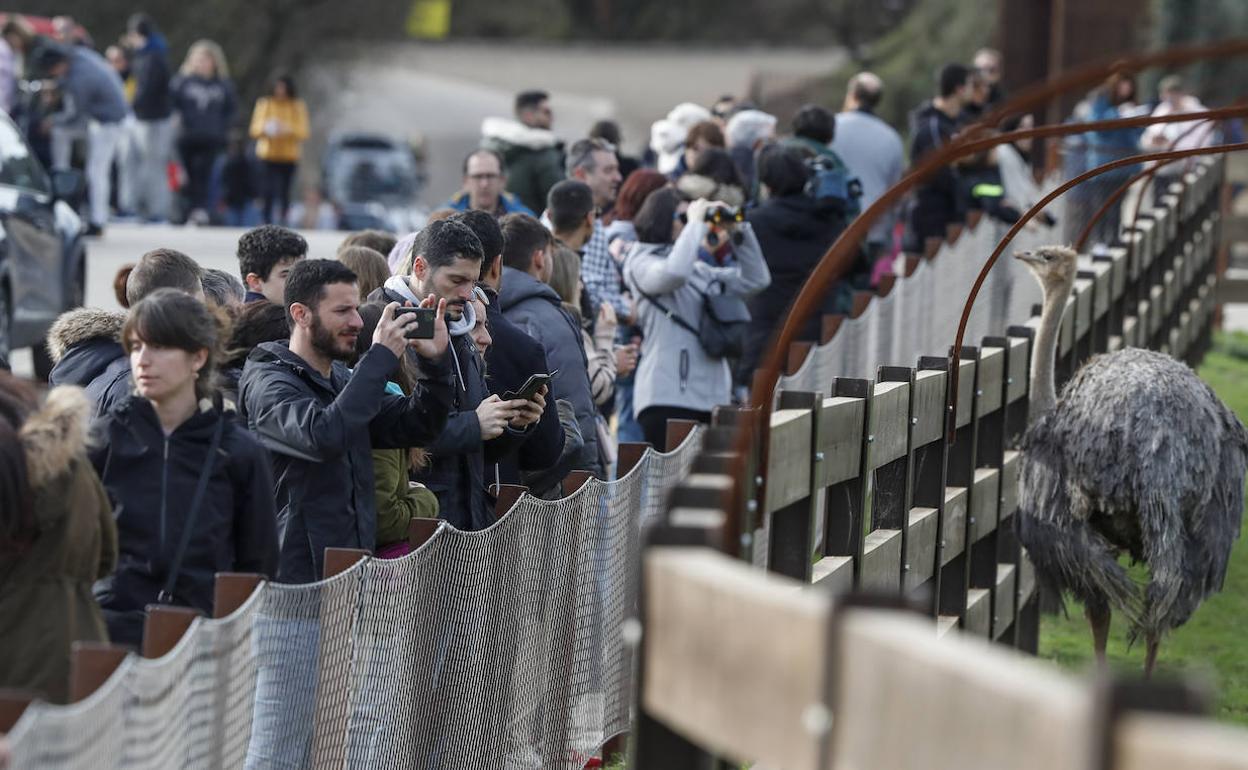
[18, 165]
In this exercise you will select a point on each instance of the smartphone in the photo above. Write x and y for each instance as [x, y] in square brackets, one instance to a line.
[530, 387]
[422, 329]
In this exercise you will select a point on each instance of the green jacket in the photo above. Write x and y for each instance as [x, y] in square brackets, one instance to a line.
[397, 501]
[533, 158]
[46, 602]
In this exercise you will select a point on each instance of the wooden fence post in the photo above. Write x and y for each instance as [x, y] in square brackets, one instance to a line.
[164, 626]
[505, 497]
[789, 492]
[892, 409]
[90, 666]
[1117, 698]
[13, 704]
[231, 590]
[574, 481]
[420, 531]
[838, 464]
[846, 502]
[960, 476]
[339, 560]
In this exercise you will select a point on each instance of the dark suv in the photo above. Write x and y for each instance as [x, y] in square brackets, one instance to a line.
[42, 253]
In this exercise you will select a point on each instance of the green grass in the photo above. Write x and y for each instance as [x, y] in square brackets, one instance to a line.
[1212, 644]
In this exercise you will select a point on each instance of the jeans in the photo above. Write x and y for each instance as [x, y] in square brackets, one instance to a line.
[102, 140]
[155, 148]
[626, 426]
[277, 180]
[286, 676]
[199, 157]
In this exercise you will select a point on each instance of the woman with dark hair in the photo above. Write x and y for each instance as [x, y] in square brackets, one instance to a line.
[794, 230]
[633, 193]
[398, 499]
[204, 99]
[279, 124]
[714, 176]
[56, 537]
[672, 275]
[192, 489]
[256, 322]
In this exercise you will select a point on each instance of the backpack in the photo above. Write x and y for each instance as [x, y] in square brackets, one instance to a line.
[830, 181]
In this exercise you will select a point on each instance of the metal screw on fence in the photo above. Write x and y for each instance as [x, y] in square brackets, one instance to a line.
[905, 567]
[630, 632]
[914, 420]
[758, 480]
[747, 540]
[871, 438]
[818, 457]
[752, 506]
[970, 520]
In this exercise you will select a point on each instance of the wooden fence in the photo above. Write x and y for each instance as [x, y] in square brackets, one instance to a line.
[859, 490]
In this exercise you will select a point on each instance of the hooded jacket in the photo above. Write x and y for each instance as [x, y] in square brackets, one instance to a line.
[92, 89]
[45, 592]
[151, 478]
[533, 158]
[321, 432]
[150, 69]
[536, 309]
[458, 456]
[674, 369]
[85, 350]
[793, 232]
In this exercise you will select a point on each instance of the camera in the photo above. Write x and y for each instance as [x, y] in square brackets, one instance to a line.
[723, 215]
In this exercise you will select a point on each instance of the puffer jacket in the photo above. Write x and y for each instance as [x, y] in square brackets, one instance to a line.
[537, 309]
[458, 456]
[151, 478]
[533, 158]
[674, 370]
[321, 432]
[86, 351]
[45, 592]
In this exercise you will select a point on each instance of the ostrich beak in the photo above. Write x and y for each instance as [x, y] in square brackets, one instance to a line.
[1030, 257]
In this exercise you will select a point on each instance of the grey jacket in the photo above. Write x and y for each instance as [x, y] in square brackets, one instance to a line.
[674, 370]
[92, 90]
[537, 309]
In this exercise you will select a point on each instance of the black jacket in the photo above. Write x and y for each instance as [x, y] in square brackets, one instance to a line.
[206, 107]
[150, 69]
[151, 480]
[512, 358]
[458, 456]
[793, 232]
[321, 433]
[936, 200]
[85, 352]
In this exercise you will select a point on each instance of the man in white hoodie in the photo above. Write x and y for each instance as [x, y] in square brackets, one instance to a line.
[531, 153]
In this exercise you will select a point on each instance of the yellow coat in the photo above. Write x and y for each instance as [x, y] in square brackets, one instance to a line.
[290, 116]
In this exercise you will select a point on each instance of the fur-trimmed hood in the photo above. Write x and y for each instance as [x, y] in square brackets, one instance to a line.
[698, 186]
[514, 132]
[53, 436]
[82, 324]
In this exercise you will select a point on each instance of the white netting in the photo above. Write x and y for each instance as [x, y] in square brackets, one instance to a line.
[493, 648]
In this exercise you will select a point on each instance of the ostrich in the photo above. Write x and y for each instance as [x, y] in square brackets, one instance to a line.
[1140, 456]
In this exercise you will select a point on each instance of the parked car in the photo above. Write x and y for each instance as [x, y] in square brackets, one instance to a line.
[42, 247]
[373, 180]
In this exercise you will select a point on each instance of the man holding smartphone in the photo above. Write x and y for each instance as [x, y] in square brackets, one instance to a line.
[481, 426]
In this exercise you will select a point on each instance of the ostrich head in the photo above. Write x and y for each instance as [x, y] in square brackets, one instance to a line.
[1054, 266]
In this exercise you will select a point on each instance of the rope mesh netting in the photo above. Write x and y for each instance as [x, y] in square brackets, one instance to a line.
[494, 648]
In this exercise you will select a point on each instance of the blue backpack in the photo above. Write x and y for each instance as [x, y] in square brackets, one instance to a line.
[830, 181]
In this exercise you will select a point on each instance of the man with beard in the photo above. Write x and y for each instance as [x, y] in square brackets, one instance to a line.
[482, 428]
[321, 420]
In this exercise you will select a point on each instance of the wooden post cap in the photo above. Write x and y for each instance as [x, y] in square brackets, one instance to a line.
[231, 590]
[574, 481]
[339, 560]
[164, 627]
[419, 531]
[506, 496]
[677, 432]
[630, 456]
[90, 666]
[13, 704]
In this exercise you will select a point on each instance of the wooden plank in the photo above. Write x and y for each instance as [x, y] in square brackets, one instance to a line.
[985, 501]
[840, 439]
[677, 432]
[734, 657]
[1129, 325]
[978, 612]
[1117, 257]
[1026, 578]
[506, 496]
[1156, 313]
[1101, 276]
[1009, 482]
[90, 666]
[421, 531]
[13, 704]
[946, 624]
[1003, 600]
[890, 408]
[339, 560]
[231, 590]
[834, 573]
[920, 547]
[1066, 333]
[629, 456]
[966, 391]
[988, 391]
[788, 459]
[881, 558]
[1019, 375]
[953, 529]
[928, 420]
[1170, 291]
[1158, 741]
[573, 482]
[908, 699]
[164, 627]
[1083, 307]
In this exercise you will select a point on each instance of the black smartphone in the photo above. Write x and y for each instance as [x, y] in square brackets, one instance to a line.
[422, 329]
[529, 389]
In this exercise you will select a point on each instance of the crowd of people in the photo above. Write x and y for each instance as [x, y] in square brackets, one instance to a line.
[156, 145]
[573, 298]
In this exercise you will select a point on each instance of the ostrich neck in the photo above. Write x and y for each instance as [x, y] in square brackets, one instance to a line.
[1043, 359]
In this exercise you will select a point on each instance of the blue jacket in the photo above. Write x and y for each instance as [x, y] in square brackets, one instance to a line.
[507, 204]
[92, 89]
[536, 309]
[321, 432]
[85, 352]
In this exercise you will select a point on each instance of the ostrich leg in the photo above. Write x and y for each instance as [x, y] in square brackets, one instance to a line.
[1098, 615]
[1150, 654]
